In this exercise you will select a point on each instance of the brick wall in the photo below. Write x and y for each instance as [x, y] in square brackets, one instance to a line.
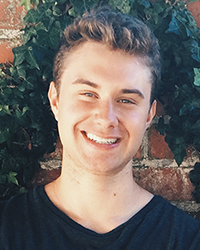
[11, 17]
[154, 166]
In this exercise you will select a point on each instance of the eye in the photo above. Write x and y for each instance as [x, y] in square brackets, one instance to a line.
[126, 101]
[89, 94]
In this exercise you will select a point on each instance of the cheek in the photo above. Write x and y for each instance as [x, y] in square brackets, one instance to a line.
[136, 117]
[136, 123]
[71, 113]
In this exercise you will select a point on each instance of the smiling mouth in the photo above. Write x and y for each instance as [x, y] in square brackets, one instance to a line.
[100, 140]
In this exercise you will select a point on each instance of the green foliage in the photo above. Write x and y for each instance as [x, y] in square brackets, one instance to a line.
[195, 179]
[27, 127]
[27, 3]
[181, 58]
[197, 77]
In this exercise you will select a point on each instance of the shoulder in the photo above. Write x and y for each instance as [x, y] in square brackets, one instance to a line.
[19, 205]
[161, 225]
[175, 218]
[169, 210]
[19, 220]
[2, 205]
[13, 204]
[21, 213]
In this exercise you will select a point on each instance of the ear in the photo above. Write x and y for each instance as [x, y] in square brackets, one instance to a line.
[53, 99]
[151, 114]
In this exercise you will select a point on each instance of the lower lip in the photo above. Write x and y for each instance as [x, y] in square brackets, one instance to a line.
[99, 145]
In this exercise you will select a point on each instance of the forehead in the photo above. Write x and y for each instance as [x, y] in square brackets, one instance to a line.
[95, 58]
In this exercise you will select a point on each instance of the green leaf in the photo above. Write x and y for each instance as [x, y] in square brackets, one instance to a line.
[23, 190]
[18, 58]
[196, 127]
[20, 113]
[197, 77]
[5, 109]
[29, 34]
[179, 157]
[173, 26]
[21, 70]
[4, 135]
[19, 50]
[195, 49]
[54, 35]
[12, 178]
[146, 3]
[21, 88]
[26, 3]
[123, 6]
[31, 59]
[82, 6]
[72, 12]
[31, 17]
[35, 2]
[47, 19]
[56, 11]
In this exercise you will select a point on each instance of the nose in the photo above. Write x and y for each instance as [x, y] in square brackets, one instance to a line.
[106, 115]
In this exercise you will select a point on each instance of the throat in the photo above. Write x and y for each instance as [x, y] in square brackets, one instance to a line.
[100, 210]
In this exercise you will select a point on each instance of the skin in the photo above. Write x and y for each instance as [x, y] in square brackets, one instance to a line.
[103, 110]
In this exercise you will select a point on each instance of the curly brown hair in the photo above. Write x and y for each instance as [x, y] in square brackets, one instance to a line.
[119, 32]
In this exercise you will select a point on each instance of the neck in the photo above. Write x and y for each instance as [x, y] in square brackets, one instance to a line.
[99, 202]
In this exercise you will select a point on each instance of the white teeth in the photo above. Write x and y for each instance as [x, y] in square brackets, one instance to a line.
[100, 140]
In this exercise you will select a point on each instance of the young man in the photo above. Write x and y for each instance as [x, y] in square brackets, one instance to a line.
[103, 97]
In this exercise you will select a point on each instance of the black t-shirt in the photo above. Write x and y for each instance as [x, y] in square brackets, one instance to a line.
[30, 221]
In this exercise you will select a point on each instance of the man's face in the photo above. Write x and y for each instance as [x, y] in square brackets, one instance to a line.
[103, 107]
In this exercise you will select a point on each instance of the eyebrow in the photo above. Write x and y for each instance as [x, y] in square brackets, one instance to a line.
[133, 91]
[94, 85]
[87, 82]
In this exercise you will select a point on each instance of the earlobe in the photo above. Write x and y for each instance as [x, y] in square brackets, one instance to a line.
[53, 99]
[151, 114]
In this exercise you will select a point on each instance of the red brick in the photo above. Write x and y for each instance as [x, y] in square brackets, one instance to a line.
[57, 154]
[6, 54]
[171, 183]
[190, 151]
[194, 8]
[160, 109]
[43, 177]
[159, 149]
[11, 14]
[2, 12]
